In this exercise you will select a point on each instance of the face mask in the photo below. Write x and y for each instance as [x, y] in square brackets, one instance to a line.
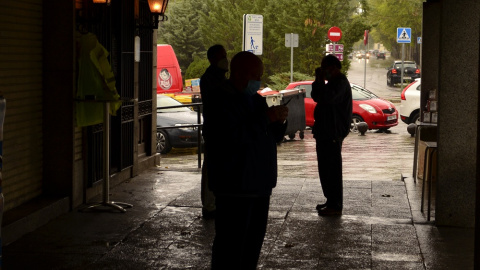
[223, 64]
[252, 87]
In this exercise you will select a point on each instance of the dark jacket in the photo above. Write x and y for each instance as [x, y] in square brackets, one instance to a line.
[242, 144]
[209, 82]
[333, 112]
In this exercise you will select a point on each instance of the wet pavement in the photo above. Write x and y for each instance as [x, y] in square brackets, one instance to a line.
[381, 226]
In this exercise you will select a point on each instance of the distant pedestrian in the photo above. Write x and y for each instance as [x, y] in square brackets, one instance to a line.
[210, 80]
[333, 116]
[242, 162]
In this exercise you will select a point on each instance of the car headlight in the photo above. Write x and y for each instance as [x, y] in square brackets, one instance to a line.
[368, 108]
[185, 128]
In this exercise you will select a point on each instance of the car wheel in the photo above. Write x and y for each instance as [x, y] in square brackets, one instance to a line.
[415, 119]
[163, 145]
[302, 135]
[291, 136]
[389, 81]
[355, 120]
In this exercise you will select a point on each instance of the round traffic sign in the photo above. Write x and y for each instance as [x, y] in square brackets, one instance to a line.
[334, 34]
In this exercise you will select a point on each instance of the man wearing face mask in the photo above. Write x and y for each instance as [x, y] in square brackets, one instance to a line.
[333, 116]
[242, 166]
[210, 80]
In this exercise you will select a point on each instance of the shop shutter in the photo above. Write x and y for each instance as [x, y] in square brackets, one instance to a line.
[21, 85]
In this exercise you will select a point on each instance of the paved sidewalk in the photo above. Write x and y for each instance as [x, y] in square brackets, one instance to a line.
[381, 228]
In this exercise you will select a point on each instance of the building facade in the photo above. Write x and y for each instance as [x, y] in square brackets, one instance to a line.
[48, 158]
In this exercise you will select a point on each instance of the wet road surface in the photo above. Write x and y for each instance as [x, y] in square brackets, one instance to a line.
[374, 156]
[376, 78]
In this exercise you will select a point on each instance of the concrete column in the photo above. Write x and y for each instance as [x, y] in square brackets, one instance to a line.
[458, 109]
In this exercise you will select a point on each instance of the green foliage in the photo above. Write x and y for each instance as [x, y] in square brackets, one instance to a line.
[223, 23]
[386, 16]
[181, 30]
[194, 26]
[196, 68]
[280, 81]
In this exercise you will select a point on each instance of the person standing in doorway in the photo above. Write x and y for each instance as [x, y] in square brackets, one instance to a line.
[333, 116]
[243, 133]
[210, 80]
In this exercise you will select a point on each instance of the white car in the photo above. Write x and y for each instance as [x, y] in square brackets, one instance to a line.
[410, 104]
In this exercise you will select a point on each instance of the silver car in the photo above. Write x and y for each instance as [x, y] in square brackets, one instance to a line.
[180, 136]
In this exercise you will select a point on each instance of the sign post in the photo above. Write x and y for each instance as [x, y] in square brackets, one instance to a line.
[253, 33]
[404, 35]
[335, 34]
[336, 49]
[365, 42]
[419, 42]
[291, 40]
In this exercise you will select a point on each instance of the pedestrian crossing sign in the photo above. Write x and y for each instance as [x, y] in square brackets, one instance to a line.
[404, 35]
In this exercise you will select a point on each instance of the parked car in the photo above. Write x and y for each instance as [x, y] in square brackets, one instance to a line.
[367, 107]
[410, 103]
[410, 72]
[176, 117]
[381, 55]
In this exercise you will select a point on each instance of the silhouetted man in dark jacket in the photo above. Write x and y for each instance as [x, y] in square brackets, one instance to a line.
[242, 134]
[333, 116]
[209, 82]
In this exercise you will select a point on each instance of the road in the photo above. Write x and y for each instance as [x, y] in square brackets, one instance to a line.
[376, 78]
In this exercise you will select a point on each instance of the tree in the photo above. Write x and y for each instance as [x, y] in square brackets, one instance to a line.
[181, 30]
[311, 19]
[386, 16]
[223, 24]
[194, 26]
[196, 68]
[281, 80]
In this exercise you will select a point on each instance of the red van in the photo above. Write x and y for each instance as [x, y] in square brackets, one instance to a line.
[169, 75]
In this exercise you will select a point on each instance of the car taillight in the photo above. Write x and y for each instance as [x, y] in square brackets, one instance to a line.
[417, 71]
[394, 71]
[402, 96]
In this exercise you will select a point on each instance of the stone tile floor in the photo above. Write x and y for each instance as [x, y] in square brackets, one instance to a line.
[381, 227]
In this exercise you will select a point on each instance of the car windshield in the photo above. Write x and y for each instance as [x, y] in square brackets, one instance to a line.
[164, 101]
[405, 65]
[359, 93]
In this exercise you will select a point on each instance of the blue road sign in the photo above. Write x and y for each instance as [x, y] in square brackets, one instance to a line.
[404, 35]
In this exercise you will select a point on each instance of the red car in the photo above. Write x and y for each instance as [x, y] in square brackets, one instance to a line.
[367, 107]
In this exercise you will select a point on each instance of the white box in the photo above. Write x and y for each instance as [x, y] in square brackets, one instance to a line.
[434, 117]
[426, 117]
[433, 105]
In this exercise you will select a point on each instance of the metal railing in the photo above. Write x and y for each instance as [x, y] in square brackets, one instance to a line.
[199, 126]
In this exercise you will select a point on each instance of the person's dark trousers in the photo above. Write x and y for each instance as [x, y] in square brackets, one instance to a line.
[206, 195]
[329, 158]
[240, 226]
